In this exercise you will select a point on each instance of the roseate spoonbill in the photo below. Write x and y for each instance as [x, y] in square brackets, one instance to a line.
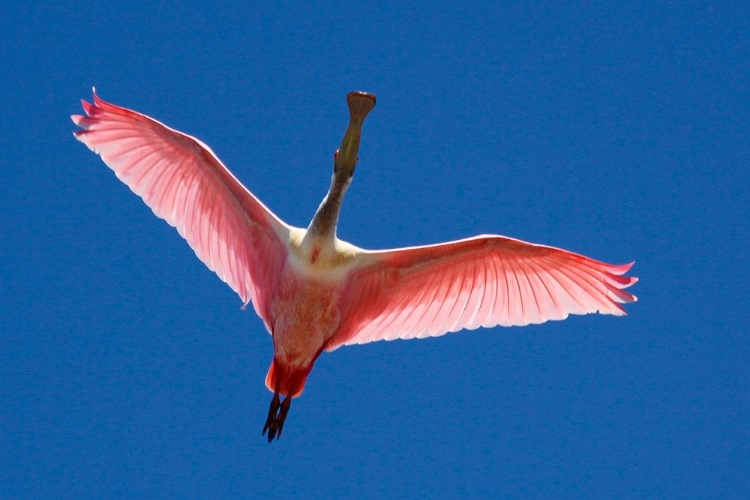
[315, 292]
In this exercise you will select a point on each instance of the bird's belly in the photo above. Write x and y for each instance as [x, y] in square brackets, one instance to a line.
[306, 315]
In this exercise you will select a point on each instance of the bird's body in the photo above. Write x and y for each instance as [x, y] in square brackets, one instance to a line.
[305, 307]
[315, 292]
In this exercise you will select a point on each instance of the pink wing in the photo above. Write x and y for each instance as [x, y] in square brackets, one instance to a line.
[483, 281]
[185, 184]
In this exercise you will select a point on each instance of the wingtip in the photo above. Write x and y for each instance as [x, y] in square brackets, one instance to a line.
[97, 100]
[622, 268]
[87, 107]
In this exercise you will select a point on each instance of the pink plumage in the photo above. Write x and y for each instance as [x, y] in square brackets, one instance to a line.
[483, 281]
[185, 184]
[315, 292]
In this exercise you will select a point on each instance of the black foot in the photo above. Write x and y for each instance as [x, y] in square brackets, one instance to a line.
[271, 420]
[276, 417]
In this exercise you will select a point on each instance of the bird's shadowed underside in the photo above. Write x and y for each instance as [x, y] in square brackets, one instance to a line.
[315, 292]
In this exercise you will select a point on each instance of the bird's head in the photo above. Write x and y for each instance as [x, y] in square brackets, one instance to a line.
[345, 158]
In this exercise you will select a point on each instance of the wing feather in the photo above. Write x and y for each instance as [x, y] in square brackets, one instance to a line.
[490, 293]
[184, 183]
[440, 305]
[474, 303]
[419, 301]
[483, 281]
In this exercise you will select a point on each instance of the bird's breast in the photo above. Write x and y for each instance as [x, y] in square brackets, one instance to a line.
[306, 314]
[321, 258]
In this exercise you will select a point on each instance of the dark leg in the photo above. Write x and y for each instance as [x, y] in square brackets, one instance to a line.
[276, 417]
[271, 425]
[282, 413]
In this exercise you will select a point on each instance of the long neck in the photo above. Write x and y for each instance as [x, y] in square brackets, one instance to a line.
[327, 217]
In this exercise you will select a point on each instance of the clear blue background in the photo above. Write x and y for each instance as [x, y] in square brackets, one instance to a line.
[128, 369]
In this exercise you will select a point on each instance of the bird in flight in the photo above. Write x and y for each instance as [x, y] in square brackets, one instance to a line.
[315, 292]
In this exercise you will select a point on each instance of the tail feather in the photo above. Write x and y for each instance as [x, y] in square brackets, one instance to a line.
[285, 380]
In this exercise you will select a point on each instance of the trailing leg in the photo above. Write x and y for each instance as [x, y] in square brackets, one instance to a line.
[271, 425]
[277, 413]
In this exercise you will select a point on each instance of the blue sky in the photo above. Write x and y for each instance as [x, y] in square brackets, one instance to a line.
[621, 132]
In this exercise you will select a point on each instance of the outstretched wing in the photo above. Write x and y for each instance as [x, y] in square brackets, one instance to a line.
[483, 281]
[184, 183]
